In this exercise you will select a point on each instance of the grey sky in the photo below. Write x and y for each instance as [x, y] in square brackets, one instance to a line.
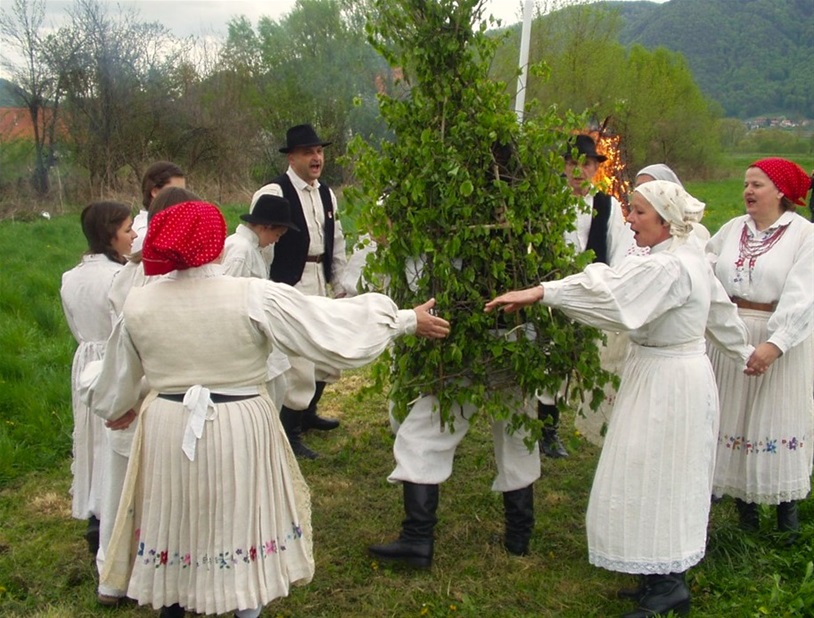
[209, 17]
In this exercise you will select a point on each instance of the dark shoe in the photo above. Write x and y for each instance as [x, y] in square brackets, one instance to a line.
[92, 535]
[172, 611]
[312, 420]
[107, 600]
[291, 421]
[518, 508]
[550, 444]
[414, 546]
[788, 522]
[633, 594]
[748, 515]
[663, 594]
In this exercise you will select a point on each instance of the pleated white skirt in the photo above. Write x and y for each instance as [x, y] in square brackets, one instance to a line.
[89, 442]
[650, 498]
[229, 530]
[766, 440]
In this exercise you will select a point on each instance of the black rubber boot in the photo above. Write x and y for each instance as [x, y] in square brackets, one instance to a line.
[312, 420]
[292, 424]
[518, 507]
[172, 611]
[92, 535]
[788, 521]
[633, 594]
[414, 546]
[663, 594]
[748, 515]
[550, 443]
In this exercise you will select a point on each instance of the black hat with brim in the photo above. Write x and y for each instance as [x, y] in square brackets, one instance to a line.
[585, 147]
[271, 210]
[302, 136]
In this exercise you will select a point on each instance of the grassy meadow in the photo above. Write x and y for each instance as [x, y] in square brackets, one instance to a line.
[46, 571]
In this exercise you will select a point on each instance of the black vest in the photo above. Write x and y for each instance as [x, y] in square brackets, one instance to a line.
[292, 248]
[598, 234]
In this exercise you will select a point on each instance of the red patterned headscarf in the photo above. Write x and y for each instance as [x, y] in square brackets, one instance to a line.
[788, 177]
[184, 236]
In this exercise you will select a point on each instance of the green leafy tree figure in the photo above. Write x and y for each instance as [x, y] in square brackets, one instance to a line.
[471, 202]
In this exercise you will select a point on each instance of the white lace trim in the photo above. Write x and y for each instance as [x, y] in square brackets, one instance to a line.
[759, 498]
[662, 567]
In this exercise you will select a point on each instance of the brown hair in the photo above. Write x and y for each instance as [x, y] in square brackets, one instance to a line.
[100, 223]
[168, 196]
[156, 176]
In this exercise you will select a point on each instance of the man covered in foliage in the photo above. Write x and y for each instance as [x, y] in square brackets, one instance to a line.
[473, 232]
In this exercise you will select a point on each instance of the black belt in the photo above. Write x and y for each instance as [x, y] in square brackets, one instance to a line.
[215, 397]
[317, 259]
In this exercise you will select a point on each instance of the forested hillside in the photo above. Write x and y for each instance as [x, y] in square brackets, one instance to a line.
[754, 57]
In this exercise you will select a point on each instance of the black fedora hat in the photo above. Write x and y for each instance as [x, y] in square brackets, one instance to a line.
[302, 136]
[585, 146]
[271, 210]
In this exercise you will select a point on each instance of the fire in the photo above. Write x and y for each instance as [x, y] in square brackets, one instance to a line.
[611, 176]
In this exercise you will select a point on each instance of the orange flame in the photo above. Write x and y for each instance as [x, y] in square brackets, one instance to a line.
[611, 176]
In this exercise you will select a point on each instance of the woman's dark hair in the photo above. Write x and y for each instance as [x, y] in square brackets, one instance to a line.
[156, 176]
[168, 196]
[100, 223]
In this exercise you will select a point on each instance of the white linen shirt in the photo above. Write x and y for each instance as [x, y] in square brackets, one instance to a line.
[784, 274]
[659, 298]
[620, 237]
[315, 220]
[343, 333]
[242, 255]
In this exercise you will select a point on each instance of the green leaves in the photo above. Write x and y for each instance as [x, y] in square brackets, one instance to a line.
[478, 202]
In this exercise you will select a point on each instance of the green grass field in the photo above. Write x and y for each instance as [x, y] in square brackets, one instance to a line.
[45, 569]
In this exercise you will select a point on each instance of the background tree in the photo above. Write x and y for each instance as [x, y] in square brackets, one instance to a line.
[649, 96]
[117, 87]
[36, 86]
[313, 65]
[479, 200]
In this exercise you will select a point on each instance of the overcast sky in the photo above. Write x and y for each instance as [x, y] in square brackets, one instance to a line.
[209, 17]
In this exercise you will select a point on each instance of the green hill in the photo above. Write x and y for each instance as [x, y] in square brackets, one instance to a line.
[755, 57]
[7, 98]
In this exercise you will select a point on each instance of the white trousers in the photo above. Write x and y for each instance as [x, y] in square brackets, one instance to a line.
[112, 484]
[303, 374]
[424, 449]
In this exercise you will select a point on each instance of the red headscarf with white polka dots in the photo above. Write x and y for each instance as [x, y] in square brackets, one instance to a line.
[788, 177]
[184, 236]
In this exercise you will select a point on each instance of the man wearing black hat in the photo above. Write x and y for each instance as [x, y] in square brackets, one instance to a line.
[600, 226]
[309, 259]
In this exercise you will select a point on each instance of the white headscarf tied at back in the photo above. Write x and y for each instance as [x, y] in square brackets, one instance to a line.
[659, 171]
[693, 209]
[670, 201]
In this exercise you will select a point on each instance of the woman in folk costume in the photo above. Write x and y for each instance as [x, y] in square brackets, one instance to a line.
[593, 423]
[107, 226]
[765, 261]
[650, 498]
[215, 515]
[120, 440]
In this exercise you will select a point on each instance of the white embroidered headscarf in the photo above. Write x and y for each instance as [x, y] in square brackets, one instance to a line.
[693, 209]
[670, 201]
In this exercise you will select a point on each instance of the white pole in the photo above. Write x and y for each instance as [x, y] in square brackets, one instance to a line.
[525, 37]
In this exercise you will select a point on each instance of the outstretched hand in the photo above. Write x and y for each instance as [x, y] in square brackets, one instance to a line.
[516, 300]
[429, 325]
